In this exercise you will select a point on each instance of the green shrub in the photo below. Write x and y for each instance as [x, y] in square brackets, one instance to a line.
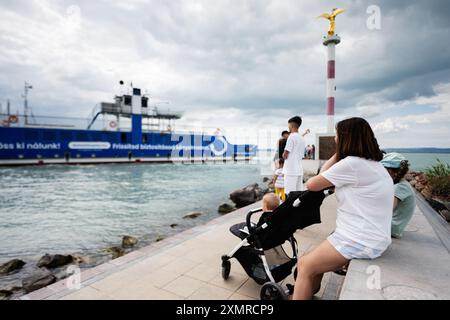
[438, 177]
[440, 169]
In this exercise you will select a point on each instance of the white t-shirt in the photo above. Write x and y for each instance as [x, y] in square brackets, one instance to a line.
[365, 192]
[279, 182]
[296, 146]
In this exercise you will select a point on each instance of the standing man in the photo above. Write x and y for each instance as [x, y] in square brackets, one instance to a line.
[282, 143]
[293, 154]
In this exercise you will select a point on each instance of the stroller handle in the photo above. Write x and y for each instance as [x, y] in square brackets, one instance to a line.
[249, 215]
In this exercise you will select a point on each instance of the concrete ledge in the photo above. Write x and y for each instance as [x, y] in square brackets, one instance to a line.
[417, 266]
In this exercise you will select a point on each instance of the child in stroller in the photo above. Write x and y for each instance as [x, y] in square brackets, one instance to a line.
[261, 251]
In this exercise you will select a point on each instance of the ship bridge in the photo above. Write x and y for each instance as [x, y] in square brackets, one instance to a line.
[127, 106]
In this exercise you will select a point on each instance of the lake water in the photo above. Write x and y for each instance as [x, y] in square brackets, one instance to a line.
[86, 208]
[421, 161]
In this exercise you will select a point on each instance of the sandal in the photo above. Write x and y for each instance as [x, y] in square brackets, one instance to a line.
[342, 271]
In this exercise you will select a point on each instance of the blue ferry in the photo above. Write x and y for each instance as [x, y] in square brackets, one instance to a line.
[25, 143]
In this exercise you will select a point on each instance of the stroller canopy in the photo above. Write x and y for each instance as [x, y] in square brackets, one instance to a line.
[287, 218]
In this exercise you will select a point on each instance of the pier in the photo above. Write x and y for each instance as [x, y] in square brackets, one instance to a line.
[188, 266]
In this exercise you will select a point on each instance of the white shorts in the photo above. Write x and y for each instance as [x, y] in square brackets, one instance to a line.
[293, 183]
[350, 249]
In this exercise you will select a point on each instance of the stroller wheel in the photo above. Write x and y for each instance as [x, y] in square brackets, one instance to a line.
[273, 291]
[226, 268]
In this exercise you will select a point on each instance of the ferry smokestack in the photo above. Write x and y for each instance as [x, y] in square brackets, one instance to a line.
[136, 117]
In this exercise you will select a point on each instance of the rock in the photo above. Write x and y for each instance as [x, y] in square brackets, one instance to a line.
[437, 203]
[87, 260]
[444, 204]
[225, 208]
[159, 238]
[192, 215]
[248, 195]
[426, 193]
[53, 261]
[9, 291]
[128, 241]
[116, 252]
[11, 266]
[40, 279]
[78, 259]
[259, 193]
[421, 178]
[445, 214]
[173, 225]
[265, 179]
[419, 186]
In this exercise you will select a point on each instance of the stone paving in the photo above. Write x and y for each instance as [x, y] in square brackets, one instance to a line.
[188, 266]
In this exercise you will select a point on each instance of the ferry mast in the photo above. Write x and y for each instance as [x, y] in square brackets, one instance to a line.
[27, 87]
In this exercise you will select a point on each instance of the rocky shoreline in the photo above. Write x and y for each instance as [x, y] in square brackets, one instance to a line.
[441, 203]
[24, 276]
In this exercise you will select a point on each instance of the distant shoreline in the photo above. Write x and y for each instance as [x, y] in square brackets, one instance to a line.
[400, 150]
[418, 150]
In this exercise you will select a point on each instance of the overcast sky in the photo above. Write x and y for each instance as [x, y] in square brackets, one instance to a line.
[244, 66]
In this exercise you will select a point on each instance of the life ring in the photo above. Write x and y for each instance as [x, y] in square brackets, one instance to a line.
[221, 152]
[13, 119]
[113, 124]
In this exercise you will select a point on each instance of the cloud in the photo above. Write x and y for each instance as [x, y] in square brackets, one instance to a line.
[390, 126]
[262, 58]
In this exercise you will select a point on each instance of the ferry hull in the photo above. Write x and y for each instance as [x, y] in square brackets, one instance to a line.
[37, 146]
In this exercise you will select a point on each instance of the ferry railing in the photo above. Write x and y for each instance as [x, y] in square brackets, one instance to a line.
[42, 121]
[93, 115]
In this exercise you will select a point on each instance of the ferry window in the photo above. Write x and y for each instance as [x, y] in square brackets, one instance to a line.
[49, 135]
[31, 135]
[66, 135]
[127, 100]
[144, 139]
[123, 137]
[144, 102]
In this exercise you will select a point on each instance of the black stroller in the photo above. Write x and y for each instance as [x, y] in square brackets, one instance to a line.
[261, 253]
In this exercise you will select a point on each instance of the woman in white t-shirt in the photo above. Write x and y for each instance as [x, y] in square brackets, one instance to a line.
[364, 191]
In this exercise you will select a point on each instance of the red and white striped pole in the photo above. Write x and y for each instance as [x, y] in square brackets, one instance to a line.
[330, 42]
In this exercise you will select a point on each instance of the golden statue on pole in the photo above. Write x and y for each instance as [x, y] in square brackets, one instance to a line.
[332, 18]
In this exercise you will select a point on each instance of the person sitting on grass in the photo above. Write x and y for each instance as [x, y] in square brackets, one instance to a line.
[404, 198]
